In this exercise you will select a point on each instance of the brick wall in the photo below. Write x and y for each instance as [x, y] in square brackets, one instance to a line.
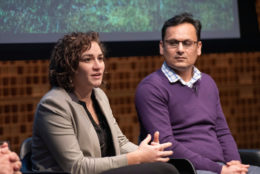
[23, 83]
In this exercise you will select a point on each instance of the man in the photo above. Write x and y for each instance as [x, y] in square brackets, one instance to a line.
[9, 161]
[183, 104]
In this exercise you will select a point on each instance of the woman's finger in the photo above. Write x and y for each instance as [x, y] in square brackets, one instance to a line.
[163, 159]
[154, 144]
[147, 139]
[165, 153]
[165, 145]
[156, 137]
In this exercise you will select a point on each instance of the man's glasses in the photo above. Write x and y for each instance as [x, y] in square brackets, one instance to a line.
[185, 43]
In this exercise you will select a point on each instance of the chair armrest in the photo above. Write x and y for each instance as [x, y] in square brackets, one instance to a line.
[184, 166]
[250, 156]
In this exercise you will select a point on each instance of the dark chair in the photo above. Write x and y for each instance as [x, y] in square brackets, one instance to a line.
[25, 156]
[250, 156]
[184, 166]
[144, 168]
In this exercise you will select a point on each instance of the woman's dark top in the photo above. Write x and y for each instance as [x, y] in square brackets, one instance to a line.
[103, 130]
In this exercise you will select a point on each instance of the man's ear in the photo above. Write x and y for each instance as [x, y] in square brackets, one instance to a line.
[161, 47]
[199, 48]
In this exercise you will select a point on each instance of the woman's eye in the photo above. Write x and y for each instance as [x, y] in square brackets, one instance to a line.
[101, 58]
[85, 59]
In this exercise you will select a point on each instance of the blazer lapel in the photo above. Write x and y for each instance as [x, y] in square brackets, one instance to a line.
[82, 113]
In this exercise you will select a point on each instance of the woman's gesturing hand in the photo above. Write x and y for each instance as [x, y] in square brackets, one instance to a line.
[150, 153]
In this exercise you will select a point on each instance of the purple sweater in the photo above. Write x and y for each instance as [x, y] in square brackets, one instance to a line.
[192, 119]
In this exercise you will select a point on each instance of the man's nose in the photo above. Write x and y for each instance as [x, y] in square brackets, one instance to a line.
[180, 47]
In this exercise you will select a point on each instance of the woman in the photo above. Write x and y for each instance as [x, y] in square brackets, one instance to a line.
[74, 128]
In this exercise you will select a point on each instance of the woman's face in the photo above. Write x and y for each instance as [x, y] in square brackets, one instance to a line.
[91, 68]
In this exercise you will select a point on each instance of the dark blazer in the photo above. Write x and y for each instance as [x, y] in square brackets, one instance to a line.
[64, 138]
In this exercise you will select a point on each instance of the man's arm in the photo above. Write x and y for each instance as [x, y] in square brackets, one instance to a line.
[225, 138]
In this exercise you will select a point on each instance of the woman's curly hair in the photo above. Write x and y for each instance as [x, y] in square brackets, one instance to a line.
[66, 55]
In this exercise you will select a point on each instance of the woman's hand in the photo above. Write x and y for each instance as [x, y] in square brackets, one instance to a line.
[155, 138]
[150, 153]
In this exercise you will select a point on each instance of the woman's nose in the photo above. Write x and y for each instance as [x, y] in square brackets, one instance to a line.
[96, 64]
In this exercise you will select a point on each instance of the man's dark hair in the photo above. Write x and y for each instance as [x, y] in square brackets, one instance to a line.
[180, 19]
[66, 55]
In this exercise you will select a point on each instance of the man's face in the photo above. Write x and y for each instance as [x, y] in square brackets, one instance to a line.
[180, 47]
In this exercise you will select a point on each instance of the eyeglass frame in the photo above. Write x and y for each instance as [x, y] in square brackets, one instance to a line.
[186, 46]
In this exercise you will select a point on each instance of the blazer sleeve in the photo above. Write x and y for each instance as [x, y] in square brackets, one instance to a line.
[125, 145]
[54, 124]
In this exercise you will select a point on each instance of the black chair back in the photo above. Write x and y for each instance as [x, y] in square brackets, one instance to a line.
[250, 156]
[25, 155]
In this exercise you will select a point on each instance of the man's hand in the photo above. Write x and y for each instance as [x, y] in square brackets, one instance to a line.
[234, 167]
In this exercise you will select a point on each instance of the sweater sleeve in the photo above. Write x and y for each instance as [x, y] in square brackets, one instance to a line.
[153, 114]
[225, 138]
